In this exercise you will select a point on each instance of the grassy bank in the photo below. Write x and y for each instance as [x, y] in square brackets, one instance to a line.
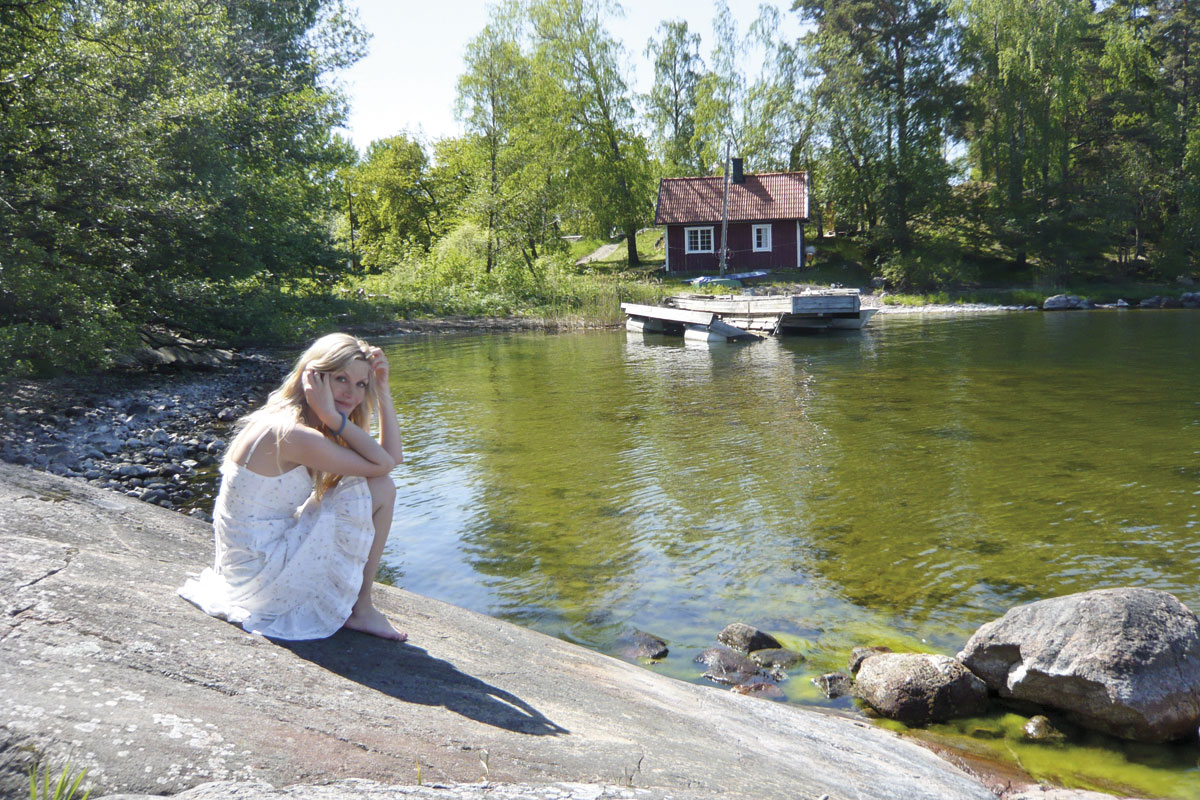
[563, 289]
[560, 289]
[554, 287]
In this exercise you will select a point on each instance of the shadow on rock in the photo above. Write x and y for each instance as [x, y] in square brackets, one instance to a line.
[411, 675]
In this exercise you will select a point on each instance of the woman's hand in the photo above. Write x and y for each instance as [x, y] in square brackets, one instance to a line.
[389, 431]
[381, 368]
[320, 396]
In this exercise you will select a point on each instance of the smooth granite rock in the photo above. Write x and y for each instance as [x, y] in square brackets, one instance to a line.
[103, 665]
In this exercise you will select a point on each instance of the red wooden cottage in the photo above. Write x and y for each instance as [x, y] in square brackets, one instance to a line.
[764, 222]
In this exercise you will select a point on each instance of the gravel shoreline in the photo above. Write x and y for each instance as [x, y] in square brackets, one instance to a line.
[957, 308]
[147, 435]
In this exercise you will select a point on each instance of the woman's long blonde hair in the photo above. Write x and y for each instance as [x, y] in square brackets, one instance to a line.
[287, 407]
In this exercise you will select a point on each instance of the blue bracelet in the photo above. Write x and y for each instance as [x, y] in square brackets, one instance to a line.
[338, 432]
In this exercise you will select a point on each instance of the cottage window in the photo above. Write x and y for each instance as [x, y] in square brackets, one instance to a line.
[762, 238]
[698, 240]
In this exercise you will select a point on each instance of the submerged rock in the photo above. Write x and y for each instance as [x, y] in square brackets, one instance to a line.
[763, 689]
[746, 638]
[776, 658]
[859, 654]
[834, 684]
[640, 644]
[919, 688]
[726, 666]
[1040, 729]
[1122, 661]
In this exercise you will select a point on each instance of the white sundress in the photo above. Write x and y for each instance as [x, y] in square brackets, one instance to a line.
[287, 565]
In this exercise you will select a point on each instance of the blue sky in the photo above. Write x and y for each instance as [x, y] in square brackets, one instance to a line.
[407, 81]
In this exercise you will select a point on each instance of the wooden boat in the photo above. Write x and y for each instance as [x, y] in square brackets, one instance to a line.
[733, 279]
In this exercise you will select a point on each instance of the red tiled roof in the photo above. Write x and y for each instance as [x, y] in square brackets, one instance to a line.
[770, 196]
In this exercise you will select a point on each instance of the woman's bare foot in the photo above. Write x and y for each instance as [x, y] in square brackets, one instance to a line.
[371, 620]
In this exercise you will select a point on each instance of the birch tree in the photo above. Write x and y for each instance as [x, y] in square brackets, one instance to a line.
[587, 90]
[671, 102]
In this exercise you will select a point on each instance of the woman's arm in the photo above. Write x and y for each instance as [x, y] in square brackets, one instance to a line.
[362, 455]
[313, 449]
[389, 426]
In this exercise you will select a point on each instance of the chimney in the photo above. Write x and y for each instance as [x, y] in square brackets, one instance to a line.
[738, 177]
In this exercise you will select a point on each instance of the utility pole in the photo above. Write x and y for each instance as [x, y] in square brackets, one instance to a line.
[724, 209]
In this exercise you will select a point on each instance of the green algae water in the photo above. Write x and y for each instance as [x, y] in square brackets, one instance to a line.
[900, 485]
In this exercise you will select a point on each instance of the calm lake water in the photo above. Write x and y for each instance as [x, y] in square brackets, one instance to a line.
[901, 485]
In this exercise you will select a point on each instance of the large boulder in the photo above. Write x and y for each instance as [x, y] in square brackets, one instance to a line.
[919, 688]
[1122, 661]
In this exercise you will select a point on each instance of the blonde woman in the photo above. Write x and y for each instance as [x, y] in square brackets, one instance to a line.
[306, 501]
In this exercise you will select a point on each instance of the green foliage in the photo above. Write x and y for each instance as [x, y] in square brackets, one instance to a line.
[886, 83]
[143, 142]
[514, 166]
[390, 200]
[913, 271]
[63, 789]
[269, 310]
[581, 70]
[912, 300]
[451, 280]
[721, 99]
[1027, 95]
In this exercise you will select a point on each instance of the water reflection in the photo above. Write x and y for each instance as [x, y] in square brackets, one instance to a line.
[908, 482]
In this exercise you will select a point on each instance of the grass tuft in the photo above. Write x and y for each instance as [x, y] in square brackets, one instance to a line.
[63, 789]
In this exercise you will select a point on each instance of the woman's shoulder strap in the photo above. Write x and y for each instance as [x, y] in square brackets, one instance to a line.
[266, 429]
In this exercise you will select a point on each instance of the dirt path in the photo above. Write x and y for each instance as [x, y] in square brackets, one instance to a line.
[600, 253]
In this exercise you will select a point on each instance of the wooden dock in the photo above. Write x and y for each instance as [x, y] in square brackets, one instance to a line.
[717, 317]
[695, 325]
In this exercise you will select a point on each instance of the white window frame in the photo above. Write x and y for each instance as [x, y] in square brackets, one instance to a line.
[687, 239]
[766, 230]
